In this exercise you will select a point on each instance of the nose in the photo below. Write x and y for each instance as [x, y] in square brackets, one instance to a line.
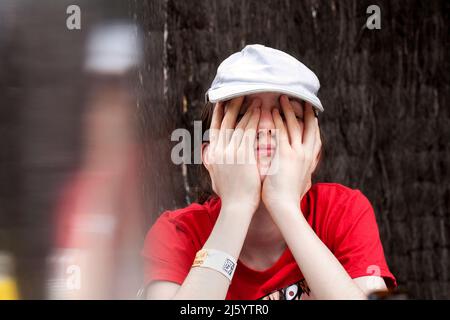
[266, 125]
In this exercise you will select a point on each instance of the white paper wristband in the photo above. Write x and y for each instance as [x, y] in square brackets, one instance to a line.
[217, 260]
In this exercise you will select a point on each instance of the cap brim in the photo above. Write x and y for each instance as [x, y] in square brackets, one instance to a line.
[229, 92]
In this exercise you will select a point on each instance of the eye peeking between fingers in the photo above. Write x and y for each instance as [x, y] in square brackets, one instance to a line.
[297, 115]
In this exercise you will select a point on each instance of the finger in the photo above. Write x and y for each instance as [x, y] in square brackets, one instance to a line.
[249, 137]
[282, 135]
[310, 127]
[274, 163]
[229, 119]
[293, 128]
[245, 119]
[215, 122]
[241, 126]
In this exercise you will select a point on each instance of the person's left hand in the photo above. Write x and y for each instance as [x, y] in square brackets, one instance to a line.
[295, 158]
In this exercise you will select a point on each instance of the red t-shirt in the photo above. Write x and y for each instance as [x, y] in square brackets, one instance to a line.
[341, 217]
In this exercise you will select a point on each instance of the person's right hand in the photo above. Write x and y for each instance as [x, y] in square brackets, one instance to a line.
[230, 156]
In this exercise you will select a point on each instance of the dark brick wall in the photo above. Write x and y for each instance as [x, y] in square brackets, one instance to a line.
[385, 92]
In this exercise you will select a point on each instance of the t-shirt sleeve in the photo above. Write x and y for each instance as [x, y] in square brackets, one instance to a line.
[357, 243]
[168, 252]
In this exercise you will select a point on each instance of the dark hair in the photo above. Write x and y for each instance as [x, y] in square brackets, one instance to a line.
[204, 189]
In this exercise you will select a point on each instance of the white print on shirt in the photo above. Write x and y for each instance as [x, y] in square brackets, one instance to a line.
[291, 292]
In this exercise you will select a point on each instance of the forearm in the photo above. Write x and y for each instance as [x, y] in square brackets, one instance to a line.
[326, 277]
[228, 235]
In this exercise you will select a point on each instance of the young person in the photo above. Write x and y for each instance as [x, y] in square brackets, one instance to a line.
[266, 232]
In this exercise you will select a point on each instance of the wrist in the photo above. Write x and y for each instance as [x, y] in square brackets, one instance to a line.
[229, 232]
[284, 208]
[241, 208]
[217, 260]
[283, 204]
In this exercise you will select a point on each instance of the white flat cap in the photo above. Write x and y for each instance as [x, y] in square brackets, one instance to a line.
[258, 68]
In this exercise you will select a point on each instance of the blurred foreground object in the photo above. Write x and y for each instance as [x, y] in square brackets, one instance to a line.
[113, 49]
[8, 285]
[98, 219]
